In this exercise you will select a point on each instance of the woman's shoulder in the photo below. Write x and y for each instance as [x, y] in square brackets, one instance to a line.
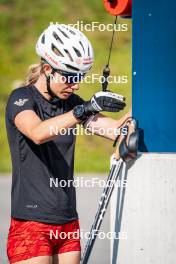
[22, 90]
[21, 95]
[19, 100]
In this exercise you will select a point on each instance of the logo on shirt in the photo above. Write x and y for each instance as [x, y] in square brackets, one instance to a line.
[32, 206]
[21, 102]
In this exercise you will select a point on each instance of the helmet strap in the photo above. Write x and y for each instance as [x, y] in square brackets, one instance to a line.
[50, 92]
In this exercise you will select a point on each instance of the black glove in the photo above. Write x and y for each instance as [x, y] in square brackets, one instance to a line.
[104, 101]
[101, 101]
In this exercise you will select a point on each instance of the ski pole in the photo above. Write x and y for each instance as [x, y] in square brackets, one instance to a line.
[103, 204]
[126, 150]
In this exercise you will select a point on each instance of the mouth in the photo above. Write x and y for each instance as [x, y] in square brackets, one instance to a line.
[68, 90]
[65, 93]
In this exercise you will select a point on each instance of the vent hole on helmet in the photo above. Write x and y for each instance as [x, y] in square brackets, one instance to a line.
[88, 51]
[71, 67]
[57, 38]
[77, 52]
[82, 46]
[72, 32]
[56, 51]
[68, 54]
[63, 33]
[43, 39]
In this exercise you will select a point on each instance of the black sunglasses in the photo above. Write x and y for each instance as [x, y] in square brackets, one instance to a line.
[71, 77]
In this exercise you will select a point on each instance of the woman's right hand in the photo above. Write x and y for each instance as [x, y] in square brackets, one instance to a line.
[104, 101]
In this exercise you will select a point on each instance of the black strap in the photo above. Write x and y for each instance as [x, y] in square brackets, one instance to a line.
[106, 70]
[49, 87]
[50, 92]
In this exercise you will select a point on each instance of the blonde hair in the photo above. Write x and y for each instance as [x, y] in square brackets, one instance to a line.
[33, 73]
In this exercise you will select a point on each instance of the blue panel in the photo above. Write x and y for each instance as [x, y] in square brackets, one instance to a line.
[154, 73]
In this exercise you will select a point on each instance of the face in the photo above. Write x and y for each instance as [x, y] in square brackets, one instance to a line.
[58, 85]
[60, 88]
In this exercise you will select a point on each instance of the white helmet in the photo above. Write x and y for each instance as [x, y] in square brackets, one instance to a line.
[65, 48]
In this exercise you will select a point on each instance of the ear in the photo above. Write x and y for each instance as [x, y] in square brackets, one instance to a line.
[47, 68]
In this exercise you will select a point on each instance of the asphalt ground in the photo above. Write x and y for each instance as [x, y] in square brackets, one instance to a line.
[87, 203]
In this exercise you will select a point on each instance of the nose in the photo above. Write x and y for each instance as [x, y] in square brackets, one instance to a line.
[75, 86]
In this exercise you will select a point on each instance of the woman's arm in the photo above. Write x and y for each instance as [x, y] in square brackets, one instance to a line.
[40, 131]
[107, 127]
[28, 123]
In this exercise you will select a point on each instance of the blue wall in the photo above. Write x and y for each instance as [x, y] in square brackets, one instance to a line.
[154, 73]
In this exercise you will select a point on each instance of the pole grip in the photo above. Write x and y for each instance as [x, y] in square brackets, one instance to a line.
[127, 144]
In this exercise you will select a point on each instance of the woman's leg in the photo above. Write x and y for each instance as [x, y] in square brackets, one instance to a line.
[72, 257]
[29, 243]
[67, 249]
[37, 260]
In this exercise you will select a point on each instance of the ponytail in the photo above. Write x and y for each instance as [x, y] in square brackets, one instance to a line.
[33, 73]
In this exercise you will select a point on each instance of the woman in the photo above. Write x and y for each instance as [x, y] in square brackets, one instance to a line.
[48, 100]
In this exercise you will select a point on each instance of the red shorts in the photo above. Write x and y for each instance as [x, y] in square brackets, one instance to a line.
[28, 239]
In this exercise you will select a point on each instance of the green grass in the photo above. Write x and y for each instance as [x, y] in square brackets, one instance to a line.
[21, 23]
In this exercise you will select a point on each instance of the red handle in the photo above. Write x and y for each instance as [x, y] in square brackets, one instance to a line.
[118, 7]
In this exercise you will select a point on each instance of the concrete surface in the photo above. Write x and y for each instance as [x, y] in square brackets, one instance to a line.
[146, 211]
